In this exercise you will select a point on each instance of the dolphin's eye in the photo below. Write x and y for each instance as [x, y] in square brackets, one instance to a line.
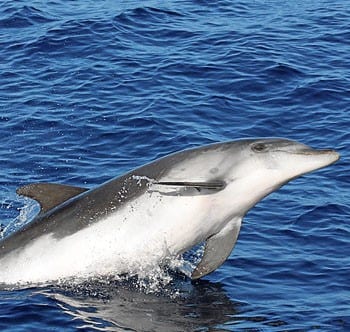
[259, 147]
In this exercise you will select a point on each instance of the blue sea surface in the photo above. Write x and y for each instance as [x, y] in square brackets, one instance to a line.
[92, 89]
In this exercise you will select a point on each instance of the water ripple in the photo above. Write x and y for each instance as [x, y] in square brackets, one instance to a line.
[90, 90]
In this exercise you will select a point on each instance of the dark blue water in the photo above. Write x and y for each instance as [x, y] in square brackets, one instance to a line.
[91, 89]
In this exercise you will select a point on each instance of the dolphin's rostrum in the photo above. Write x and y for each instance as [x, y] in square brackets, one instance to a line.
[153, 213]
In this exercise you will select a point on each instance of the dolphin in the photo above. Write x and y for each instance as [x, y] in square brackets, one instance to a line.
[152, 214]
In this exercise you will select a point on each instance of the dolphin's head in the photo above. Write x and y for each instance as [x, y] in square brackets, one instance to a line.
[261, 166]
[281, 160]
[249, 169]
[287, 158]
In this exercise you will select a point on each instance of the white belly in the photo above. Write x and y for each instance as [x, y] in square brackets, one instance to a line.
[134, 240]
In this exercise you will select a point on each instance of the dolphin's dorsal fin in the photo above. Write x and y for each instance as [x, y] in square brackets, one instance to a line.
[49, 195]
[217, 248]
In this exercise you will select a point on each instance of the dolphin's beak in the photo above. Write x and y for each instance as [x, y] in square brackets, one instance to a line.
[312, 159]
[304, 159]
[329, 156]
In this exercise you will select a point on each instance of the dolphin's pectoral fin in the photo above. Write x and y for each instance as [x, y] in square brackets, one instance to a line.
[49, 195]
[217, 248]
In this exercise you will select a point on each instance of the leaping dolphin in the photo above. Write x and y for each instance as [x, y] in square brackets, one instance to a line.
[153, 213]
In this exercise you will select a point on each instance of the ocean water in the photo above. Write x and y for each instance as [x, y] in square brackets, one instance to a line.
[91, 89]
